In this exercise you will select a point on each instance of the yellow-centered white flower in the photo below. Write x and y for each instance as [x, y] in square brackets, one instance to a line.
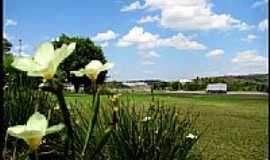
[35, 128]
[93, 69]
[45, 62]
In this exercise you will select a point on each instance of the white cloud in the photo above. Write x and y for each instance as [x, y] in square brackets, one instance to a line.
[5, 35]
[193, 15]
[145, 40]
[133, 6]
[152, 54]
[105, 36]
[263, 25]
[25, 48]
[148, 55]
[104, 44]
[23, 54]
[137, 36]
[148, 62]
[259, 3]
[10, 22]
[181, 42]
[147, 19]
[249, 38]
[215, 54]
[250, 58]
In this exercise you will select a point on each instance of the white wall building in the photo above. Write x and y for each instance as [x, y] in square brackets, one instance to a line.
[217, 88]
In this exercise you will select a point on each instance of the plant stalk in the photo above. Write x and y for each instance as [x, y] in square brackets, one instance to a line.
[66, 116]
[91, 125]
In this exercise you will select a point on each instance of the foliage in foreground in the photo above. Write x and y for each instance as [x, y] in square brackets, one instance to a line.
[154, 132]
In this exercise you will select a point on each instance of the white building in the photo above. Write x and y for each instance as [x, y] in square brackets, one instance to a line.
[137, 86]
[184, 80]
[217, 88]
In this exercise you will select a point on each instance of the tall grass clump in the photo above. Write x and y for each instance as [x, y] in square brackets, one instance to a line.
[152, 132]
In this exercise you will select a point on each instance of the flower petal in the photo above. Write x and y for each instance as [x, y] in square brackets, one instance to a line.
[107, 66]
[78, 73]
[37, 122]
[55, 128]
[45, 53]
[94, 64]
[26, 64]
[34, 74]
[16, 131]
[62, 53]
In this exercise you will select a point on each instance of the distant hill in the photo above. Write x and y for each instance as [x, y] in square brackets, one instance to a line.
[253, 82]
[252, 78]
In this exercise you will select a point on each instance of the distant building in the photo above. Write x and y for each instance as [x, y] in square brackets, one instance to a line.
[185, 80]
[137, 86]
[69, 87]
[217, 88]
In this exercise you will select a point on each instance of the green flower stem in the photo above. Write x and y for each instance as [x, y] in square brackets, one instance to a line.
[57, 88]
[94, 89]
[95, 106]
[67, 121]
[33, 155]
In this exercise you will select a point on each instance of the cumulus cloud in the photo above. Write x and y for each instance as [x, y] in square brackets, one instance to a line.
[150, 54]
[193, 15]
[181, 42]
[259, 3]
[263, 25]
[5, 35]
[249, 58]
[249, 38]
[215, 54]
[10, 22]
[145, 40]
[133, 6]
[148, 19]
[137, 36]
[104, 44]
[105, 36]
[148, 62]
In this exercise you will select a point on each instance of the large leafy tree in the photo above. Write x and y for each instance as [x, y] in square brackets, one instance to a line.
[84, 52]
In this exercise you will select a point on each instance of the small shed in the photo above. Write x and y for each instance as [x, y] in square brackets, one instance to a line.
[216, 88]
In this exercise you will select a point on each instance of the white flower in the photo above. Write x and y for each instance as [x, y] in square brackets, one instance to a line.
[145, 119]
[35, 128]
[191, 136]
[93, 69]
[45, 62]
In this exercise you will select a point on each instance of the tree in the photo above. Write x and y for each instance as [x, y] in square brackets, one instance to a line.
[84, 52]
[175, 86]
[6, 45]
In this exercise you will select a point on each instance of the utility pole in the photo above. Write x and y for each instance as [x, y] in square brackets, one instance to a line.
[20, 47]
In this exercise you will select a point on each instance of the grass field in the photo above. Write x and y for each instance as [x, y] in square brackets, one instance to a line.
[236, 125]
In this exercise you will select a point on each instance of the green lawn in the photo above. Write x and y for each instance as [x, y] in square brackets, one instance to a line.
[237, 125]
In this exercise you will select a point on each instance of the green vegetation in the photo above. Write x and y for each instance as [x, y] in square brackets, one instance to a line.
[236, 125]
[256, 82]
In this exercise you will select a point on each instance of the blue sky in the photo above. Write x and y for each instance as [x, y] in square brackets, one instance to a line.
[152, 39]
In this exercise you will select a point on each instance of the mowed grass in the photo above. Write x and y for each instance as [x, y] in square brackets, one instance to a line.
[237, 125]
